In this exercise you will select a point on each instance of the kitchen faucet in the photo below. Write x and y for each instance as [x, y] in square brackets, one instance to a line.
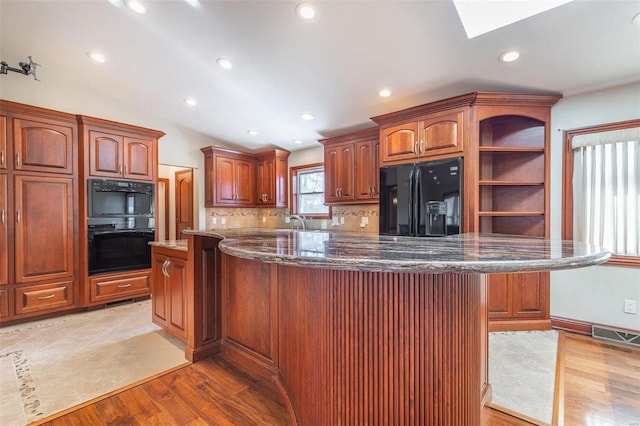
[299, 219]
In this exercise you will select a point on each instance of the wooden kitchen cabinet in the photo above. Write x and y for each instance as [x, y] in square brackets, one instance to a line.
[511, 181]
[119, 151]
[229, 178]
[4, 155]
[168, 290]
[339, 169]
[272, 178]
[4, 231]
[415, 139]
[44, 228]
[351, 167]
[125, 285]
[42, 144]
[39, 240]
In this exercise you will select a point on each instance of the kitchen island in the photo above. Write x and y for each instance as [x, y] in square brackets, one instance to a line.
[359, 329]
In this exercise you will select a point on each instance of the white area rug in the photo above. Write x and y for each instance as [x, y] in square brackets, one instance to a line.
[522, 371]
[50, 365]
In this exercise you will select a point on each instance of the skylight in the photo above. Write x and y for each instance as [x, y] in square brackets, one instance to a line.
[482, 16]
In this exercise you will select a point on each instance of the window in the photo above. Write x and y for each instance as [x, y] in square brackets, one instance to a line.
[307, 191]
[602, 188]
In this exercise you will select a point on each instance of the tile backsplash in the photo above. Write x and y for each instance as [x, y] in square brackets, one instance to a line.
[355, 218]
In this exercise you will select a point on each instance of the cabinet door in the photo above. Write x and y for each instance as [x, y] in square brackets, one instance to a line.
[3, 142]
[281, 182]
[44, 232]
[530, 295]
[43, 145]
[331, 160]
[244, 182]
[105, 154]
[209, 180]
[225, 170]
[367, 170]
[400, 142]
[177, 295]
[265, 182]
[500, 296]
[442, 133]
[158, 290]
[4, 302]
[138, 158]
[4, 226]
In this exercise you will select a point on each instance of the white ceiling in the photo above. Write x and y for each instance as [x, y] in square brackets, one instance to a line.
[331, 67]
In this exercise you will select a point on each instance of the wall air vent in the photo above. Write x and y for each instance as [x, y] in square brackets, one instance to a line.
[614, 335]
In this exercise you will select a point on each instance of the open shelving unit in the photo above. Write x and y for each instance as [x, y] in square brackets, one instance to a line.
[512, 189]
[511, 181]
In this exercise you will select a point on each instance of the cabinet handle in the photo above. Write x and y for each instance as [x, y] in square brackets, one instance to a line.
[18, 159]
[2, 216]
[126, 169]
[2, 157]
[120, 169]
[51, 296]
[19, 216]
[124, 286]
[421, 147]
[165, 265]
[416, 148]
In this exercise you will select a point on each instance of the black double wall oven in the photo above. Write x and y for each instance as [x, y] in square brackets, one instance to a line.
[121, 224]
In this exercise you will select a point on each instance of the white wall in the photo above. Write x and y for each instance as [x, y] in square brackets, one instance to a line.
[594, 294]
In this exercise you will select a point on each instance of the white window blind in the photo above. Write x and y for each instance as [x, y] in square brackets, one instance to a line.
[606, 190]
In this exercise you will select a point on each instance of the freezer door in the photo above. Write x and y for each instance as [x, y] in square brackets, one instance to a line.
[396, 200]
[438, 198]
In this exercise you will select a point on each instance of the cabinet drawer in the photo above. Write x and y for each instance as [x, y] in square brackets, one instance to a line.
[42, 297]
[114, 287]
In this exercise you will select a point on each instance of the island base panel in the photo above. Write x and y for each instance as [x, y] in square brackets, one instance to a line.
[381, 348]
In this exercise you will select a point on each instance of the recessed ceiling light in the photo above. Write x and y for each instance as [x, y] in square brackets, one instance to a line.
[252, 132]
[224, 63]
[297, 141]
[384, 93]
[307, 116]
[190, 101]
[97, 57]
[509, 56]
[305, 11]
[636, 20]
[137, 6]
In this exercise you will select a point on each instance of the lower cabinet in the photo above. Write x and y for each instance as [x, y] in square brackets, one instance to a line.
[35, 298]
[4, 301]
[519, 301]
[168, 290]
[112, 287]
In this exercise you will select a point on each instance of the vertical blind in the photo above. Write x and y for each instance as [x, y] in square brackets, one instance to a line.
[606, 190]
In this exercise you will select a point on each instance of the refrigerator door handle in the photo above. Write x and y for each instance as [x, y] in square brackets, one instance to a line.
[410, 200]
[416, 203]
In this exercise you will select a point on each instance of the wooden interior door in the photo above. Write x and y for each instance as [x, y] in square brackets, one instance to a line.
[184, 201]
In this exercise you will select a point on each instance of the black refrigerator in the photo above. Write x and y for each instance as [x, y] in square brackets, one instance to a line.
[421, 199]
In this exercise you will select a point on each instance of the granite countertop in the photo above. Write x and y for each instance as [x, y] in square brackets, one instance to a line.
[464, 253]
[171, 244]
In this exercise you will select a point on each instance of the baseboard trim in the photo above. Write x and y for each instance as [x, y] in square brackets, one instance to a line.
[571, 325]
[520, 325]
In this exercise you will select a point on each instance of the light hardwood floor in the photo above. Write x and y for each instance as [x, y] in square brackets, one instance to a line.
[598, 383]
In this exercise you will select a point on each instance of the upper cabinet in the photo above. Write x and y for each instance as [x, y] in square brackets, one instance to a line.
[272, 176]
[3, 142]
[425, 131]
[229, 178]
[117, 150]
[240, 179]
[42, 145]
[351, 167]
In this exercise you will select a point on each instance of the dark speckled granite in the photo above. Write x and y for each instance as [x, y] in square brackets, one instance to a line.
[465, 253]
